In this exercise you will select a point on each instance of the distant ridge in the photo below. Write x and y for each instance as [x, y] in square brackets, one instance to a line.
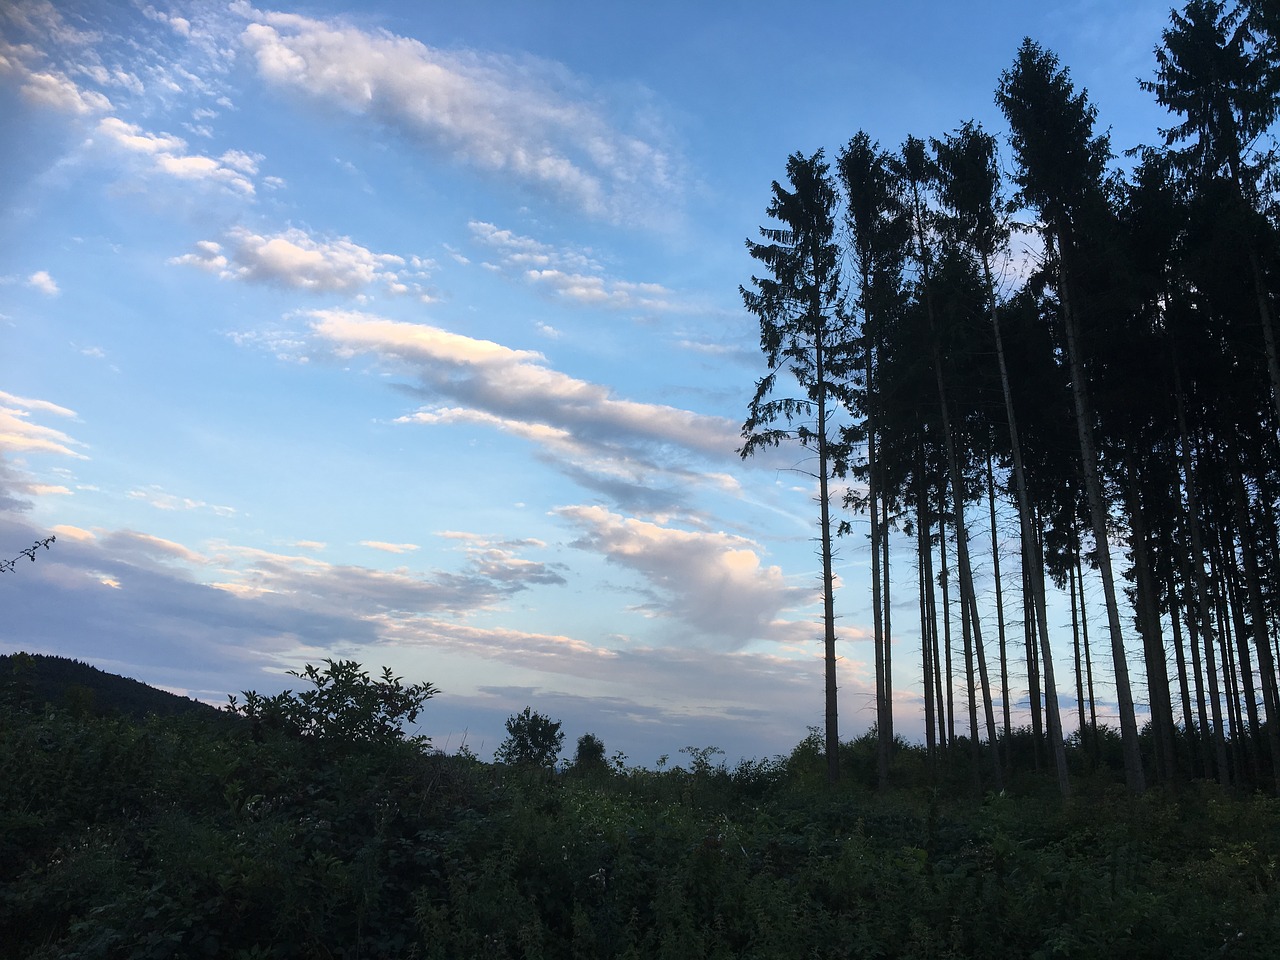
[39, 679]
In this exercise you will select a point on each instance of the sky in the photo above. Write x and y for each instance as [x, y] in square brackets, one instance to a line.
[410, 333]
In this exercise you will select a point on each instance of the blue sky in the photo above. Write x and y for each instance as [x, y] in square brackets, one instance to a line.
[410, 333]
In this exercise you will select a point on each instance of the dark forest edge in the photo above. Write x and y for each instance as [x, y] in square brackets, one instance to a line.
[185, 835]
[1118, 394]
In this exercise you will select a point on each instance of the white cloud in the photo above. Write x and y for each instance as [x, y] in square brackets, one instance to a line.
[162, 500]
[390, 547]
[296, 259]
[47, 88]
[714, 582]
[44, 283]
[508, 117]
[168, 155]
[624, 446]
[19, 434]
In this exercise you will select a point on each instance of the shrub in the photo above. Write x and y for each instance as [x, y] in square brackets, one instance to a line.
[344, 706]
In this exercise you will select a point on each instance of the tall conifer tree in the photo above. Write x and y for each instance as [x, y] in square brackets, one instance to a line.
[804, 332]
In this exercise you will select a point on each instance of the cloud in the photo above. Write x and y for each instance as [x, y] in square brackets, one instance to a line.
[580, 426]
[47, 88]
[510, 118]
[498, 559]
[44, 283]
[161, 500]
[390, 547]
[296, 259]
[714, 582]
[571, 275]
[19, 434]
[168, 156]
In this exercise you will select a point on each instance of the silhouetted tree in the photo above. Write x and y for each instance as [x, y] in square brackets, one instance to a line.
[804, 332]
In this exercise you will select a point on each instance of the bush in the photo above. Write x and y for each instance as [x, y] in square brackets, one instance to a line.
[345, 706]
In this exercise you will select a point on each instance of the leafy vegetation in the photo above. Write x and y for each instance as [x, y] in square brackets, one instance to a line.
[183, 836]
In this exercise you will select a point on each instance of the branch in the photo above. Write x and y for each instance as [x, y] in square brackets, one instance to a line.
[7, 566]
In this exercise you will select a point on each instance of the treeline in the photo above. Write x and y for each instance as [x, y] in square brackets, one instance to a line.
[1119, 392]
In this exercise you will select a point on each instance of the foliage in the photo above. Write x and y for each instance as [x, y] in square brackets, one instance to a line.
[533, 740]
[176, 837]
[344, 706]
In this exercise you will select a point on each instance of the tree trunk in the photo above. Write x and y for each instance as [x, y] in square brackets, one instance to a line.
[873, 490]
[1134, 776]
[1198, 560]
[1030, 549]
[995, 570]
[828, 579]
[1148, 610]
[1258, 618]
[945, 575]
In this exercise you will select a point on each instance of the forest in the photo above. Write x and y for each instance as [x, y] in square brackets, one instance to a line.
[1116, 391]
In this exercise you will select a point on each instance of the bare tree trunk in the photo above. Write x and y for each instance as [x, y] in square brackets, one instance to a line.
[946, 615]
[1199, 557]
[1180, 660]
[1030, 550]
[1148, 610]
[1258, 618]
[1075, 639]
[926, 661]
[995, 569]
[1088, 657]
[1134, 776]
[886, 595]
[873, 487]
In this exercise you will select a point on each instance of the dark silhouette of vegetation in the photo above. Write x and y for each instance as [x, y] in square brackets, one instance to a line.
[37, 680]
[8, 566]
[533, 740]
[804, 335]
[343, 707]
[1117, 398]
[171, 837]
[589, 757]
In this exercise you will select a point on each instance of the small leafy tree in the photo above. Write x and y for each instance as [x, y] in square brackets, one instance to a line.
[533, 740]
[344, 706]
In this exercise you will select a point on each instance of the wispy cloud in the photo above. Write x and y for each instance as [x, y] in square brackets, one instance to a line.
[19, 434]
[390, 547]
[501, 115]
[45, 86]
[567, 274]
[163, 500]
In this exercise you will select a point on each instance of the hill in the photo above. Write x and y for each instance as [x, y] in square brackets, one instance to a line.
[40, 679]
